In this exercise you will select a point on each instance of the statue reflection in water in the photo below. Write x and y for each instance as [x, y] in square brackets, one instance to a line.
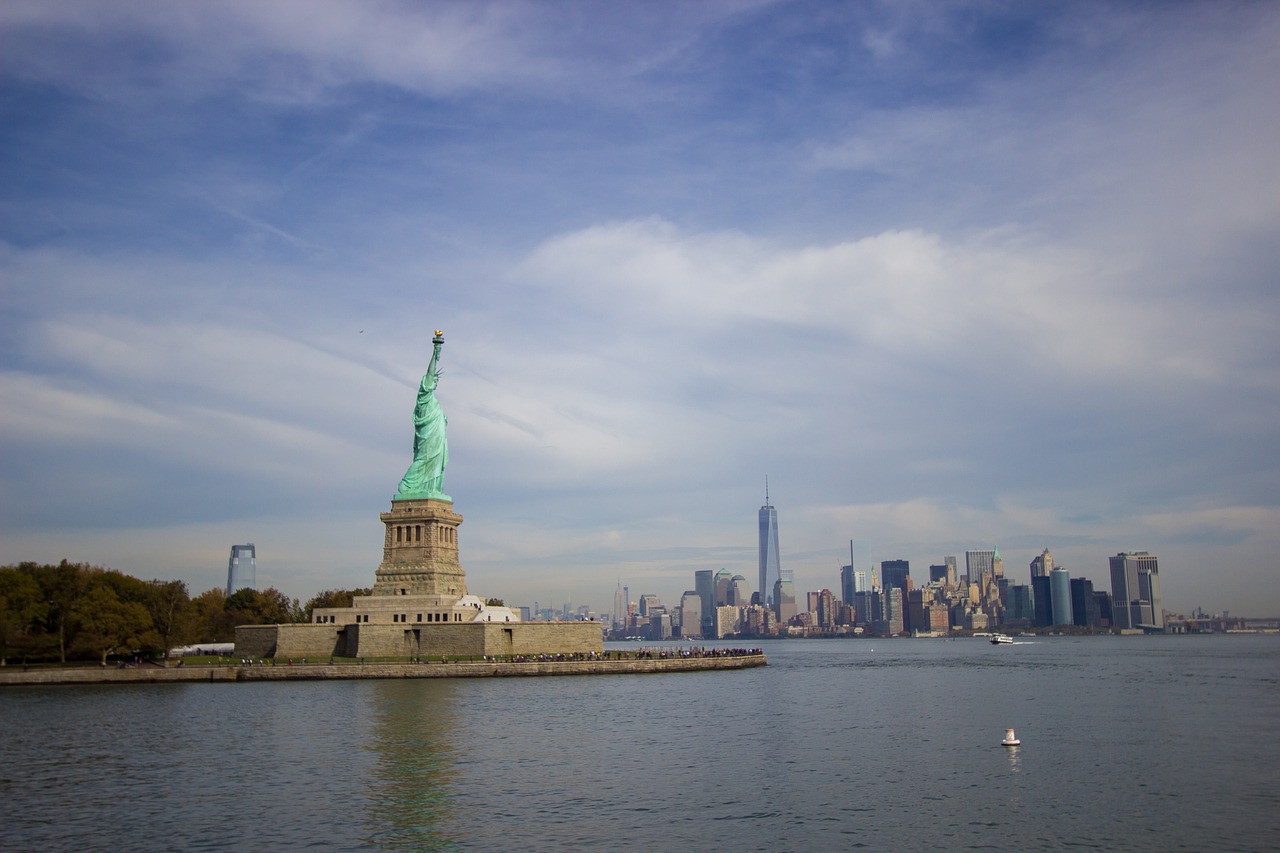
[410, 794]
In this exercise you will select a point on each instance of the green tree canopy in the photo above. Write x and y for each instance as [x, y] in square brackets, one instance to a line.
[260, 607]
[106, 625]
[172, 613]
[60, 588]
[333, 598]
[22, 614]
[213, 624]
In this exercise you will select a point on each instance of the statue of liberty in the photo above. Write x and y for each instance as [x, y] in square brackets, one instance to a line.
[425, 477]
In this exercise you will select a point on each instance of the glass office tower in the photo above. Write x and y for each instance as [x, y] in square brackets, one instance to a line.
[1060, 590]
[242, 570]
[770, 573]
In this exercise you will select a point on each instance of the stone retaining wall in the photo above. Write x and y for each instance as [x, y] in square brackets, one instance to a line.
[465, 639]
[317, 672]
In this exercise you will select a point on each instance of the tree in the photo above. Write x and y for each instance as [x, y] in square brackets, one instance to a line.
[171, 613]
[60, 588]
[22, 612]
[332, 598]
[132, 591]
[106, 625]
[259, 607]
[213, 624]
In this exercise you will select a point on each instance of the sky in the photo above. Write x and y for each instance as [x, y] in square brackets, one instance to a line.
[951, 275]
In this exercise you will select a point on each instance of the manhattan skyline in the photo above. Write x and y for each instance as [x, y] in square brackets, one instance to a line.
[956, 276]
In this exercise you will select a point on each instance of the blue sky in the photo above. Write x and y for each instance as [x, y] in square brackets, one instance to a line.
[952, 275]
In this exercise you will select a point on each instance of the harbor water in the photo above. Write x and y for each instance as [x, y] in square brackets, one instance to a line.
[1133, 743]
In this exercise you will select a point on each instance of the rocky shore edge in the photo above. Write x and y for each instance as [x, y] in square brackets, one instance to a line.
[13, 676]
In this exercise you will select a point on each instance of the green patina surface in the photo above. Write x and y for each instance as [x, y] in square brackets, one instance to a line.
[425, 477]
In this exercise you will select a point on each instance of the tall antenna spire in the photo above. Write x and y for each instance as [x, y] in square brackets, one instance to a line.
[766, 489]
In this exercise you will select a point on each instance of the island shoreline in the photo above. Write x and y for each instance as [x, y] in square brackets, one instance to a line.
[225, 673]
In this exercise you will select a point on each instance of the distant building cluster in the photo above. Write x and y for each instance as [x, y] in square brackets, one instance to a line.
[565, 613]
[891, 601]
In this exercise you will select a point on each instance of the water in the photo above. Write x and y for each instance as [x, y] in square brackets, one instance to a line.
[1157, 743]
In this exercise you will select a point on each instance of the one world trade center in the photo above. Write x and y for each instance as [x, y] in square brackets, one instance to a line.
[769, 570]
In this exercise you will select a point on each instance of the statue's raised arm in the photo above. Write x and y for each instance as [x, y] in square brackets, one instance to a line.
[425, 477]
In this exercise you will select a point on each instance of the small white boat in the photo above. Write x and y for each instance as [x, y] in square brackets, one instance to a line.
[1000, 639]
[1010, 739]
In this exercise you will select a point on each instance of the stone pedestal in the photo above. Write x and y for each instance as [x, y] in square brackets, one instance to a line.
[420, 551]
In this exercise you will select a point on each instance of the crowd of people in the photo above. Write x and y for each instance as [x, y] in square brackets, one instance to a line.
[629, 654]
[697, 653]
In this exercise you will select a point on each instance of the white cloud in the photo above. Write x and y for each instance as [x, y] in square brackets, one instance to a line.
[31, 408]
[977, 301]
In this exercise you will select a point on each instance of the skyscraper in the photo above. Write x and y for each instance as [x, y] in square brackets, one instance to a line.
[619, 607]
[847, 586]
[1019, 611]
[895, 573]
[1135, 591]
[784, 600]
[705, 585]
[691, 614]
[848, 579]
[893, 610]
[1042, 601]
[242, 569]
[770, 572]
[864, 607]
[1084, 606]
[723, 580]
[1042, 565]
[826, 609]
[980, 565]
[1060, 589]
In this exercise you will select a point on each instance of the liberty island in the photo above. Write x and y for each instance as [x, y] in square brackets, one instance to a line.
[419, 608]
[419, 605]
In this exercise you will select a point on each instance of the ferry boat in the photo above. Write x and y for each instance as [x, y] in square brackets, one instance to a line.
[1000, 639]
